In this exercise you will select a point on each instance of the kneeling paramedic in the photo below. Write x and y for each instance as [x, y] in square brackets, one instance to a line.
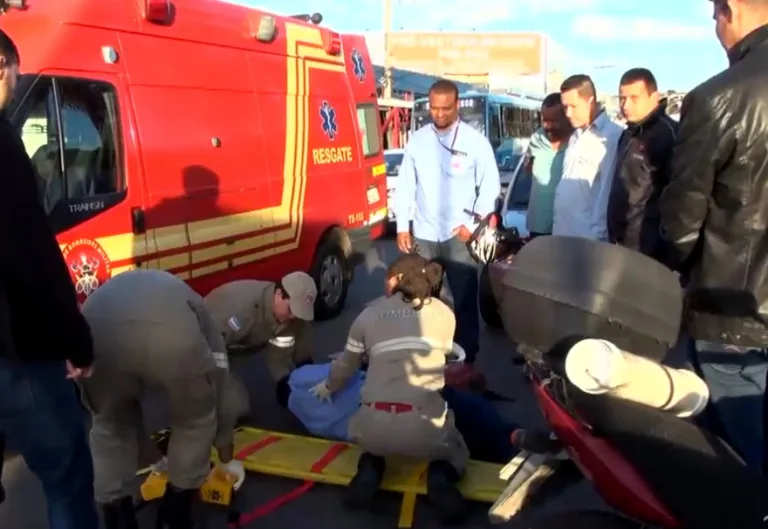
[264, 317]
[151, 331]
[406, 337]
[486, 433]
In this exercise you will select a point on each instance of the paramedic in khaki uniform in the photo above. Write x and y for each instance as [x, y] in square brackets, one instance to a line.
[406, 336]
[151, 330]
[268, 317]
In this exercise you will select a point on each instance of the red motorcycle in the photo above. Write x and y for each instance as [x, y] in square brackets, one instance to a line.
[655, 469]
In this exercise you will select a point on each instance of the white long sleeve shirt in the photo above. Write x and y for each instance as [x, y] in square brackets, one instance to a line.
[581, 199]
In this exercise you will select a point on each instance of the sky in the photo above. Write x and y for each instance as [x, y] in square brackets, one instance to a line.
[675, 39]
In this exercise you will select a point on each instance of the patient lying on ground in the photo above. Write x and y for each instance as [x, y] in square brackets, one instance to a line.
[485, 432]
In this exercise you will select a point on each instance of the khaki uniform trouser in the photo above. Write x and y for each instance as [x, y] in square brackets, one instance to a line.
[131, 356]
[413, 434]
[233, 403]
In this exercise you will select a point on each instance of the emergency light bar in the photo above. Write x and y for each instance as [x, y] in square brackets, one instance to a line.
[315, 18]
[332, 42]
[5, 5]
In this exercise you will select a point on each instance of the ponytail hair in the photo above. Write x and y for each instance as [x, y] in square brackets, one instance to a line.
[419, 279]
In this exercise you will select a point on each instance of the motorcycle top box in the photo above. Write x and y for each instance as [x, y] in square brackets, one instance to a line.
[558, 287]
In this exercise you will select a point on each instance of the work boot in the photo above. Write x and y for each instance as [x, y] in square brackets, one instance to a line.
[443, 494]
[176, 509]
[120, 514]
[363, 487]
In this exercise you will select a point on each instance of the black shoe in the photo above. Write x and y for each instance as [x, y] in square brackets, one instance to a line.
[176, 509]
[443, 494]
[363, 487]
[120, 514]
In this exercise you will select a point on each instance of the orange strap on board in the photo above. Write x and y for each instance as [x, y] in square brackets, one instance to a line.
[275, 503]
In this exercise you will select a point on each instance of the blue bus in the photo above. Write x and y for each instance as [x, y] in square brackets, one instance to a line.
[508, 121]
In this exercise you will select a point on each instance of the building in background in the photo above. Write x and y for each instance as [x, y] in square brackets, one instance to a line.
[528, 63]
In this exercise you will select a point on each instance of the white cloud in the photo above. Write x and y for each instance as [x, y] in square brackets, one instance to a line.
[607, 28]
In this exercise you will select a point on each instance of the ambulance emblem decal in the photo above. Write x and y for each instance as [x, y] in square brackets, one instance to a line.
[328, 115]
[358, 67]
[88, 265]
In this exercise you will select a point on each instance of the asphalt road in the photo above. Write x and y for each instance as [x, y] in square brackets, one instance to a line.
[322, 507]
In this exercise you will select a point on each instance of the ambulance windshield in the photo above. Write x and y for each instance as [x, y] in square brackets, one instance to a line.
[471, 110]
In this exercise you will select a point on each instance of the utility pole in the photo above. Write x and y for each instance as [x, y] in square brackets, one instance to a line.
[387, 61]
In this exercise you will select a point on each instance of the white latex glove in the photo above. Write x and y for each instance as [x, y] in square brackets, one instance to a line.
[235, 470]
[160, 467]
[321, 392]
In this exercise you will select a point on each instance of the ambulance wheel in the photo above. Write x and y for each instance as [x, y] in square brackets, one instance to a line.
[331, 273]
[584, 520]
[489, 308]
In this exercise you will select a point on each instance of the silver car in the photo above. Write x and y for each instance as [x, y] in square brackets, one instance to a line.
[393, 158]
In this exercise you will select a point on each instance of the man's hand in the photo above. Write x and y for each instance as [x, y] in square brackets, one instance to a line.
[404, 242]
[321, 392]
[78, 373]
[462, 233]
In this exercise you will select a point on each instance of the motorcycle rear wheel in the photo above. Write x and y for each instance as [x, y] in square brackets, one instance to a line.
[584, 520]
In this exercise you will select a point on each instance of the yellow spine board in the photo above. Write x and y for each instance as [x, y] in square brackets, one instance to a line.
[294, 455]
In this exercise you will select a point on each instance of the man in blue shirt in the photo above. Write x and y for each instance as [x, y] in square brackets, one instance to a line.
[449, 172]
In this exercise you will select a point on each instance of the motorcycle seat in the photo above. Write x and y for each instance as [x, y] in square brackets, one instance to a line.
[699, 478]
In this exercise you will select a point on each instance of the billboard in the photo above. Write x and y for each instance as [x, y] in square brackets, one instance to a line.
[467, 56]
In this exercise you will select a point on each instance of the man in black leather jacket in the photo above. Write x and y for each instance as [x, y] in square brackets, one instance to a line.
[642, 165]
[714, 213]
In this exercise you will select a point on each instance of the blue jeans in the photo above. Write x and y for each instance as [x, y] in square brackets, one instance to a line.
[487, 435]
[736, 379]
[41, 417]
[461, 271]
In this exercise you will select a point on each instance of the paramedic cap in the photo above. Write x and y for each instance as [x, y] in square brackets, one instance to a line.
[302, 293]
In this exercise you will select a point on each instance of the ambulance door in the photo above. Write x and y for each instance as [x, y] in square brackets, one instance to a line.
[75, 130]
[362, 80]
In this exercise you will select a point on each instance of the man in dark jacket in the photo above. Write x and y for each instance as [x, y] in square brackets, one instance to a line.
[715, 215]
[40, 415]
[642, 165]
